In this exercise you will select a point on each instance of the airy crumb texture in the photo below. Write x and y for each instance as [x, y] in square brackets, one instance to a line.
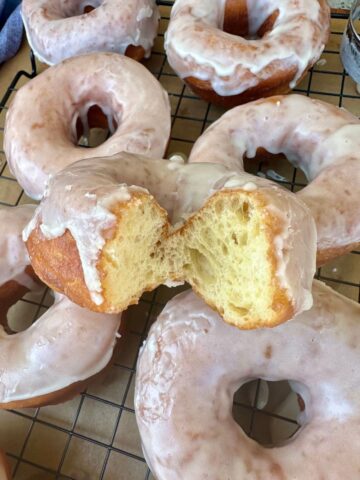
[129, 264]
[224, 251]
[229, 261]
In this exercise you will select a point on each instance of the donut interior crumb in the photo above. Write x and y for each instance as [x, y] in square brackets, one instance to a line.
[224, 251]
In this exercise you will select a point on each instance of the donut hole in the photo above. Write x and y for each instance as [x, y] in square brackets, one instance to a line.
[250, 24]
[26, 311]
[94, 126]
[276, 167]
[269, 412]
[18, 318]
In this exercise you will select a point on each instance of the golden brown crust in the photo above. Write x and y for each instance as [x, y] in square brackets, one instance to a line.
[277, 84]
[96, 119]
[326, 255]
[57, 263]
[236, 17]
[342, 11]
[135, 52]
[267, 26]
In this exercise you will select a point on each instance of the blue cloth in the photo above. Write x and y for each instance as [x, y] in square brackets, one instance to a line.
[11, 28]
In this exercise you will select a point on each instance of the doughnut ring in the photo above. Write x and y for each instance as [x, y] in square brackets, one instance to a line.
[36, 366]
[57, 30]
[319, 138]
[193, 363]
[157, 221]
[57, 103]
[234, 51]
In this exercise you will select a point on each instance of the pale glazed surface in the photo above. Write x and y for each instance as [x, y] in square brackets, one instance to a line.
[197, 47]
[57, 29]
[66, 345]
[84, 193]
[192, 364]
[319, 138]
[40, 131]
[14, 257]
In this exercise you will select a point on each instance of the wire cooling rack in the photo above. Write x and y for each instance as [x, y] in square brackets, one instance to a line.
[94, 436]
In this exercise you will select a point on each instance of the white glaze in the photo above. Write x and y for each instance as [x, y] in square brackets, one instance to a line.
[197, 47]
[193, 363]
[67, 344]
[82, 195]
[57, 30]
[40, 135]
[13, 254]
[319, 138]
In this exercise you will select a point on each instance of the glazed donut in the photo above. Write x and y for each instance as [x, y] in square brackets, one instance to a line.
[35, 365]
[57, 30]
[43, 122]
[245, 244]
[321, 139]
[193, 363]
[4, 467]
[57, 357]
[234, 51]
[16, 275]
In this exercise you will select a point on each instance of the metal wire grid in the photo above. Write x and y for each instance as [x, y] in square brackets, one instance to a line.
[190, 116]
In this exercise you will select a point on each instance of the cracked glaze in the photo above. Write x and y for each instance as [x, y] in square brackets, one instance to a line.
[319, 138]
[40, 131]
[192, 364]
[197, 47]
[57, 30]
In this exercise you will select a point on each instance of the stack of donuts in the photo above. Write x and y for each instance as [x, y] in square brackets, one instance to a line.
[117, 220]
